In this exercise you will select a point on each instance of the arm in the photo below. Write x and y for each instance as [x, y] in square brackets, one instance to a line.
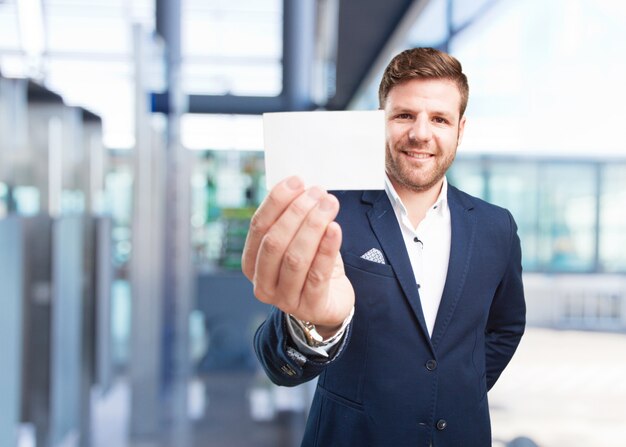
[507, 316]
[282, 361]
[292, 258]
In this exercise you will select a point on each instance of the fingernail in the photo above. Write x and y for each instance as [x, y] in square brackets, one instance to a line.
[294, 183]
[327, 204]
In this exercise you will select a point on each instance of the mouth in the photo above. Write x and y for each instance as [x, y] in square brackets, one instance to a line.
[417, 155]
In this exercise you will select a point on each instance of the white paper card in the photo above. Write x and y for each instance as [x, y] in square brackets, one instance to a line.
[334, 150]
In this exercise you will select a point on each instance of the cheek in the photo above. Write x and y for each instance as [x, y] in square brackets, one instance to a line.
[448, 141]
[395, 138]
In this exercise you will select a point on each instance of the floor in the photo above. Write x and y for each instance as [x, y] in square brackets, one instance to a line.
[562, 389]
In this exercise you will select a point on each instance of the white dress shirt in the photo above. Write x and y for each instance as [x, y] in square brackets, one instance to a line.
[428, 247]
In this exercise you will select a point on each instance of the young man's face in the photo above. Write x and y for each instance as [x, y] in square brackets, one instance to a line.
[423, 130]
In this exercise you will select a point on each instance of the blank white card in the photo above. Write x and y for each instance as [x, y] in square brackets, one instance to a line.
[334, 150]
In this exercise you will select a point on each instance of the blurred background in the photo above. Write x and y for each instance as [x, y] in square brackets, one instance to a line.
[131, 160]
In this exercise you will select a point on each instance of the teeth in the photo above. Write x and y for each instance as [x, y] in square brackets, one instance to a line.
[417, 155]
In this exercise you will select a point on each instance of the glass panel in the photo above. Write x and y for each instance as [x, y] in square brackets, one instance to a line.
[218, 54]
[515, 186]
[230, 33]
[239, 132]
[104, 88]
[11, 344]
[227, 187]
[79, 34]
[119, 188]
[613, 219]
[250, 77]
[517, 79]
[567, 217]
[9, 32]
[467, 174]
[67, 326]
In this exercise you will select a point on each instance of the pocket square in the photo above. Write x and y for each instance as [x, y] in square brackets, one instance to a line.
[374, 255]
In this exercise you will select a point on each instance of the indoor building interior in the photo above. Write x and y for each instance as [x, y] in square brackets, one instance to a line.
[131, 162]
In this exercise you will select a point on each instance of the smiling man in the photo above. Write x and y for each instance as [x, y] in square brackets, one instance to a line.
[406, 302]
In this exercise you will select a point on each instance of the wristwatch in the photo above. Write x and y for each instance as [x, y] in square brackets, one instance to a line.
[313, 338]
[309, 331]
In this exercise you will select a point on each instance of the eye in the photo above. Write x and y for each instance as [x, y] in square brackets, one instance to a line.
[440, 120]
[404, 116]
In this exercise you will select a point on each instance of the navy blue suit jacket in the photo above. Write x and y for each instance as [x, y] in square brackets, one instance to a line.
[390, 384]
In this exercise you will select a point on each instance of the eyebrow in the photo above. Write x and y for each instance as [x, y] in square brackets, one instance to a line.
[443, 113]
[436, 112]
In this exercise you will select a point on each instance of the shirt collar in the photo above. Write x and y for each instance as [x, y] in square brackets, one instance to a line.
[396, 201]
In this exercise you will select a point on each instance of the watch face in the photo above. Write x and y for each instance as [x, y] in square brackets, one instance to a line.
[313, 338]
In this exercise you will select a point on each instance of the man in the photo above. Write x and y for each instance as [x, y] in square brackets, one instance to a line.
[408, 302]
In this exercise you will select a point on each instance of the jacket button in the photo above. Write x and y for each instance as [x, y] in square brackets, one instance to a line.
[431, 365]
[441, 424]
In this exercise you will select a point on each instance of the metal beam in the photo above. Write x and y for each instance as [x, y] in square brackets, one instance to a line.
[365, 30]
[168, 26]
[298, 53]
[229, 104]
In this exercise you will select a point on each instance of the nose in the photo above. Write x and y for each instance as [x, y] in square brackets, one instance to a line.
[420, 130]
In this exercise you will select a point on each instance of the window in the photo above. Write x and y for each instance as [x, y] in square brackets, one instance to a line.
[516, 186]
[613, 219]
[232, 47]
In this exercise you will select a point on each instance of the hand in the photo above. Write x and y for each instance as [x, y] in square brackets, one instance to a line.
[292, 256]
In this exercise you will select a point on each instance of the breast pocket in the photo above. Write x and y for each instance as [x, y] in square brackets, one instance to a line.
[354, 261]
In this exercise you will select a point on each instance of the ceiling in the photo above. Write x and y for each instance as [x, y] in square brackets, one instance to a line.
[365, 27]
[88, 57]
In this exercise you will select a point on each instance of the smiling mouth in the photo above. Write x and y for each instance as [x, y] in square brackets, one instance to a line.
[417, 155]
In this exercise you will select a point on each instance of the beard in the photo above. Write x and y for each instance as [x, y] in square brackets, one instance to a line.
[416, 178]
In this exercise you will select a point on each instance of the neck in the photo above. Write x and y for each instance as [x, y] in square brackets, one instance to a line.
[417, 203]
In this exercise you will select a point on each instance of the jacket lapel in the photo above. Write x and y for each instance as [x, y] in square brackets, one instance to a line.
[387, 230]
[463, 223]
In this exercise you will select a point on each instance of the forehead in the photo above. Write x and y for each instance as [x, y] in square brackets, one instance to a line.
[441, 94]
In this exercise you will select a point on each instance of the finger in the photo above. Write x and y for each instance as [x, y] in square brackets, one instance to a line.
[277, 239]
[302, 250]
[269, 211]
[316, 286]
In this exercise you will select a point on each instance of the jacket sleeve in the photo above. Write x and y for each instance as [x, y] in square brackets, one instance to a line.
[279, 357]
[507, 316]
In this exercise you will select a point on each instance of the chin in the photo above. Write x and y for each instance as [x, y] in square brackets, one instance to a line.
[420, 184]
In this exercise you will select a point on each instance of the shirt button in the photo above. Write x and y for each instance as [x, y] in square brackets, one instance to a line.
[431, 365]
[441, 424]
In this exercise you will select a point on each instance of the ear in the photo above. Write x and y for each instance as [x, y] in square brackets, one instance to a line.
[461, 130]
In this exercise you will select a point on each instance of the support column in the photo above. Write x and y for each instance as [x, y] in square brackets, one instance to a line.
[147, 293]
[298, 53]
[177, 270]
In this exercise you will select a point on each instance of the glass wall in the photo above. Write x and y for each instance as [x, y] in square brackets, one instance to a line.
[612, 234]
[232, 47]
[566, 218]
[567, 211]
[227, 186]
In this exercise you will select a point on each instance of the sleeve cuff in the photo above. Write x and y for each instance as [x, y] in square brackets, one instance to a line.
[321, 351]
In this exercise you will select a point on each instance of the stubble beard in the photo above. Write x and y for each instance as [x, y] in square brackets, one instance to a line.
[411, 179]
